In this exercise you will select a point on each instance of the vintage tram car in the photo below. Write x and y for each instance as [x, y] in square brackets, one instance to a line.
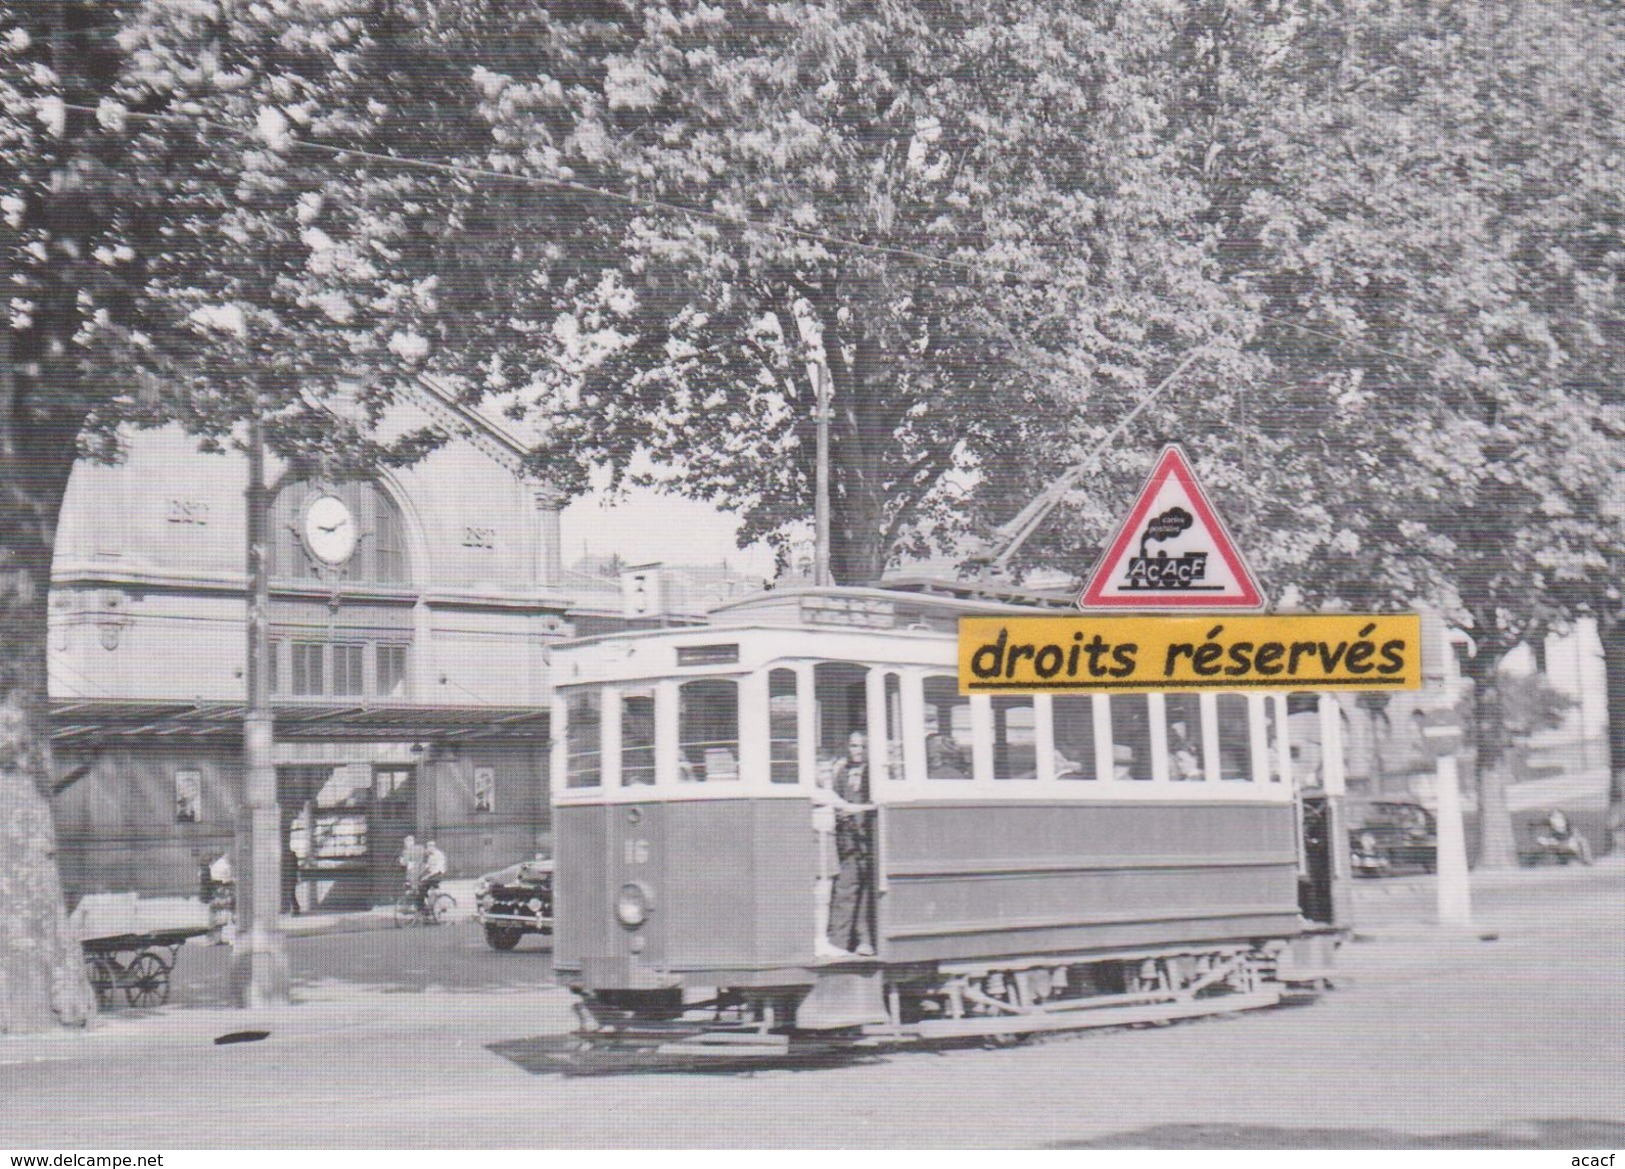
[1041, 862]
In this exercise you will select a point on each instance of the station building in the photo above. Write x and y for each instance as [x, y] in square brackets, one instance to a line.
[410, 620]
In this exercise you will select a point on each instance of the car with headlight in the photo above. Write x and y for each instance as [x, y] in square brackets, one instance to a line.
[1389, 836]
[515, 901]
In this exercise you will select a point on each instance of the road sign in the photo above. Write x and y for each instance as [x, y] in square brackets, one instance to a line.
[1172, 552]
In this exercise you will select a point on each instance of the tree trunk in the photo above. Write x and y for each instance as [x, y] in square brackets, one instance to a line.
[1611, 630]
[42, 974]
[858, 439]
[1497, 847]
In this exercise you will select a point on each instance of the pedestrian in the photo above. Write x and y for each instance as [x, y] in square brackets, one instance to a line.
[290, 879]
[411, 862]
[852, 896]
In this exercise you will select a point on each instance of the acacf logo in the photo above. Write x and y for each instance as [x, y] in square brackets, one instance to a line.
[1162, 571]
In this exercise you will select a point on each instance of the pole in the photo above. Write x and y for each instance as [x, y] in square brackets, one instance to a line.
[1455, 891]
[259, 970]
[821, 573]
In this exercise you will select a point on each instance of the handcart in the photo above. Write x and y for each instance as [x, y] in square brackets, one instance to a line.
[130, 944]
[137, 964]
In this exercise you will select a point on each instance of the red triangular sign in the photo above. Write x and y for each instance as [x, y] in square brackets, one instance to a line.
[1172, 551]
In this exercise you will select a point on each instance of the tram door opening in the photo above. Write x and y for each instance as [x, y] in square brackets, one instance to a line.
[841, 700]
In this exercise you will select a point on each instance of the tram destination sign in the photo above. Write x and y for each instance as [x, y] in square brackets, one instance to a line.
[1092, 654]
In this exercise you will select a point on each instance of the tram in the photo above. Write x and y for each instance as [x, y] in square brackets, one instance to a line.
[1040, 862]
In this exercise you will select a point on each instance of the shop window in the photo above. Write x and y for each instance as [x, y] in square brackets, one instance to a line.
[708, 730]
[1184, 722]
[1073, 716]
[485, 789]
[188, 796]
[783, 727]
[637, 738]
[1015, 739]
[582, 742]
[1131, 737]
[947, 729]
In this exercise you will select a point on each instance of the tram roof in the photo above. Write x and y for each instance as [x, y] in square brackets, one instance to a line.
[875, 622]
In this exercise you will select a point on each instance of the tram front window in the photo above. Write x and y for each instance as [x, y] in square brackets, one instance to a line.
[582, 742]
[947, 730]
[1073, 716]
[708, 730]
[637, 738]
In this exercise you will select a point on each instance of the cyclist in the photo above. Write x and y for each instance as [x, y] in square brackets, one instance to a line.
[433, 872]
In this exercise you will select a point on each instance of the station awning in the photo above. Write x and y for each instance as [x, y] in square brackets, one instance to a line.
[80, 720]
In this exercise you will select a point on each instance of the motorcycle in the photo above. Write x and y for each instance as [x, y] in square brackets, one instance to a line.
[1556, 841]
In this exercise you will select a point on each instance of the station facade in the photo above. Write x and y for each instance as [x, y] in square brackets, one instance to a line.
[410, 620]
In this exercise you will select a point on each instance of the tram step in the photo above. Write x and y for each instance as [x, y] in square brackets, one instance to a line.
[841, 998]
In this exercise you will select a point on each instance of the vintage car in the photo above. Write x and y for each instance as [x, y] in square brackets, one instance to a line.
[1392, 836]
[515, 901]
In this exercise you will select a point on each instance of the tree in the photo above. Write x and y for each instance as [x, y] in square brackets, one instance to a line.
[170, 257]
[967, 213]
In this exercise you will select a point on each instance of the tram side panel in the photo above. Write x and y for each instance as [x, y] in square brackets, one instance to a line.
[728, 883]
[970, 880]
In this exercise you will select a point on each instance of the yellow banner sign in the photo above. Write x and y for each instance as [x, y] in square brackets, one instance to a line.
[1242, 652]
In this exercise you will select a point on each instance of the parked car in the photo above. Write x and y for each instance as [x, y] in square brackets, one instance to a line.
[515, 901]
[1390, 836]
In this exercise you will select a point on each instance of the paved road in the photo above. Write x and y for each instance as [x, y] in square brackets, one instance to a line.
[1508, 1036]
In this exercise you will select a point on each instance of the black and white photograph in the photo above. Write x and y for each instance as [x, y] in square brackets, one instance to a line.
[810, 575]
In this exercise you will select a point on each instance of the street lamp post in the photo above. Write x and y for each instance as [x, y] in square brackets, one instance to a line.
[260, 962]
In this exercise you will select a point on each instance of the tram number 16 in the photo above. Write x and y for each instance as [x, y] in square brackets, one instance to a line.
[637, 851]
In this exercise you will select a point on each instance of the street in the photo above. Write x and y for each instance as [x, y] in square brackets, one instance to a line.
[1504, 1036]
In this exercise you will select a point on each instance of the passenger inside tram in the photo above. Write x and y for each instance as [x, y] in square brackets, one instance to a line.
[944, 759]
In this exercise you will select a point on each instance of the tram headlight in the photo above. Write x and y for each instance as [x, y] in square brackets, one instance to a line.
[632, 906]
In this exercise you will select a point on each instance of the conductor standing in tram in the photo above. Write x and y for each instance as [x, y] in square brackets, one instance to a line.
[852, 897]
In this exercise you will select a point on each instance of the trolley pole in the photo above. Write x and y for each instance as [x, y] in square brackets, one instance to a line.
[821, 575]
[259, 971]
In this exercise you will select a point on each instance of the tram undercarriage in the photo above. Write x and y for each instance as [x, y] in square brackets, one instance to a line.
[856, 1006]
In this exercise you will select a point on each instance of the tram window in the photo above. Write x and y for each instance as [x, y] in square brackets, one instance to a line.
[582, 745]
[947, 730]
[894, 726]
[1131, 737]
[782, 723]
[637, 738]
[1184, 713]
[1235, 737]
[708, 730]
[1015, 738]
[1074, 719]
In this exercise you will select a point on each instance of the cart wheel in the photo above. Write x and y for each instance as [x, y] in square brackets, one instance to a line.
[146, 984]
[103, 978]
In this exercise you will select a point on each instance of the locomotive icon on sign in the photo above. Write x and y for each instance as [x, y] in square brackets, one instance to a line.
[1162, 571]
